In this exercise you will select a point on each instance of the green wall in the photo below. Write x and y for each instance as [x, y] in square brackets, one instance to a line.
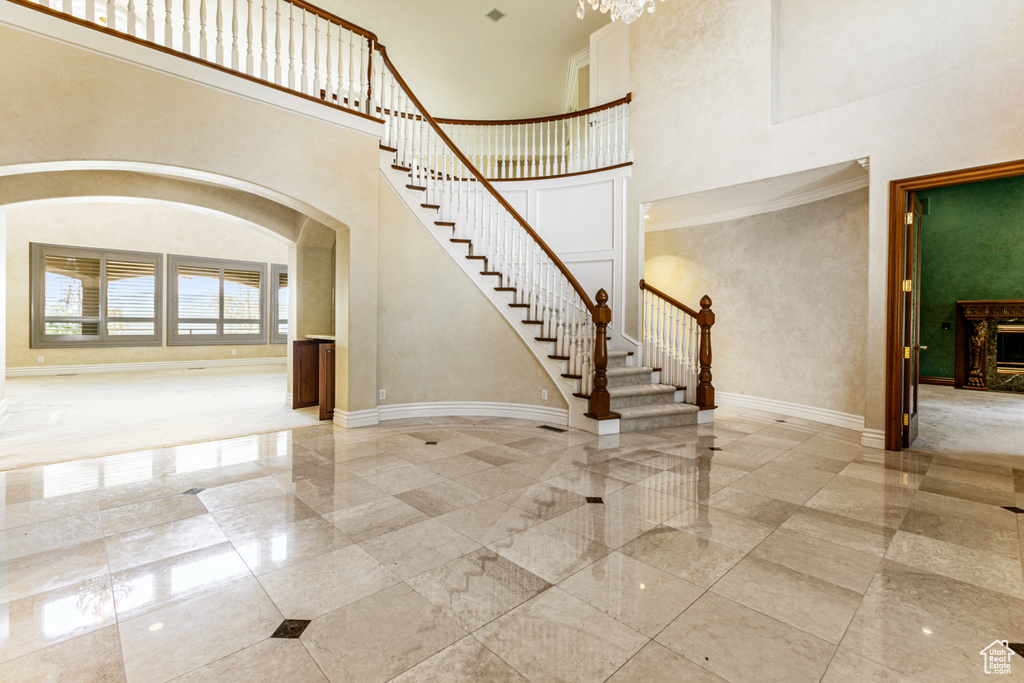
[972, 247]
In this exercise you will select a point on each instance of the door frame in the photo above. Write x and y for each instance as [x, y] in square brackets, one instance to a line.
[894, 324]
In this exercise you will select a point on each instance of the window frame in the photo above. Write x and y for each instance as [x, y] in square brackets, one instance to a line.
[38, 339]
[276, 269]
[174, 261]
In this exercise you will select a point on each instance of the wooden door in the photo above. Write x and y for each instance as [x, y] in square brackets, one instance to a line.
[911, 318]
[326, 381]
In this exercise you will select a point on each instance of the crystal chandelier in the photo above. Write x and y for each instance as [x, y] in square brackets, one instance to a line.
[627, 10]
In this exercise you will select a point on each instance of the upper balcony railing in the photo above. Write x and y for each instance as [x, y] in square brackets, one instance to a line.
[550, 146]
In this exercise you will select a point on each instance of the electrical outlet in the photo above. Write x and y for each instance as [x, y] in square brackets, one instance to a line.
[234, 352]
[39, 360]
[383, 394]
[543, 394]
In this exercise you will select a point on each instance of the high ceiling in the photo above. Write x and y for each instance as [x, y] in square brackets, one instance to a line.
[463, 65]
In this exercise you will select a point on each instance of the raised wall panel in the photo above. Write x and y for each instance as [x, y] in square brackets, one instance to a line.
[595, 274]
[578, 219]
[519, 201]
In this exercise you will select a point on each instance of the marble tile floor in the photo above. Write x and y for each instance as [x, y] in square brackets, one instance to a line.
[757, 548]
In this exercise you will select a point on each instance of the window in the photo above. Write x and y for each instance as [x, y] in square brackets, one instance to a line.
[213, 301]
[279, 304]
[94, 297]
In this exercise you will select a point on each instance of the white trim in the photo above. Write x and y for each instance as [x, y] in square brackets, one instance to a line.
[355, 419]
[764, 207]
[829, 417]
[577, 61]
[5, 408]
[141, 367]
[288, 398]
[705, 416]
[872, 438]
[519, 411]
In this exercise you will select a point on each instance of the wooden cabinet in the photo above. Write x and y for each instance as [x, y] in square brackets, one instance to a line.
[313, 375]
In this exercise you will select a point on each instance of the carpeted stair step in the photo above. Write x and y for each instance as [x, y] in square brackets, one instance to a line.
[660, 416]
[624, 375]
[640, 395]
[617, 359]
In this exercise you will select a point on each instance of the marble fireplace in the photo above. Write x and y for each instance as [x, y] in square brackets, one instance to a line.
[990, 345]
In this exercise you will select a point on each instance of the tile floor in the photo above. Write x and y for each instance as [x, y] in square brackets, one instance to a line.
[787, 553]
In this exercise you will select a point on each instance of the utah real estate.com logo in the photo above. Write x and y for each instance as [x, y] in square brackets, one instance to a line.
[997, 657]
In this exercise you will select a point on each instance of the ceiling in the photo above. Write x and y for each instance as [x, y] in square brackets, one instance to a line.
[748, 199]
[461, 64]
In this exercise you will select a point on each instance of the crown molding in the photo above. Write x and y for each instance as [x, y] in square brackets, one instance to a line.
[577, 61]
[764, 207]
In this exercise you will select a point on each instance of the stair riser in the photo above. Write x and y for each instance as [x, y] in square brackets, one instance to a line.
[617, 361]
[630, 379]
[644, 424]
[642, 400]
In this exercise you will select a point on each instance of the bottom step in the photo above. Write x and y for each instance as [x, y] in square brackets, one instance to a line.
[659, 416]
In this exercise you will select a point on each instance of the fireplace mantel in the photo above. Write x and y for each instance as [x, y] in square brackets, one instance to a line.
[975, 328]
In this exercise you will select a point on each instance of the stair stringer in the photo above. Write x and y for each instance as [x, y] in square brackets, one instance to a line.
[500, 300]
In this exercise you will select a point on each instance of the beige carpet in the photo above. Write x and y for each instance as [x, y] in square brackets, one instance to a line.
[55, 419]
[956, 421]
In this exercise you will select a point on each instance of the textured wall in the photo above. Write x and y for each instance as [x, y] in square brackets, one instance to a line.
[440, 338]
[788, 292]
[701, 119]
[157, 228]
[972, 247]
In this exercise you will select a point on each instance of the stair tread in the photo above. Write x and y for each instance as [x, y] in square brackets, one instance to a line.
[640, 390]
[657, 410]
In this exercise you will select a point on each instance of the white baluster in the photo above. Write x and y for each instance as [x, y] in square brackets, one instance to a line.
[316, 56]
[150, 19]
[291, 46]
[234, 34]
[202, 29]
[168, 29]
[186, 33]
[66, 7]
[111, 14]
[341, 65]
[328, 75]
[131, 18]
[250, 62]
[218, 48]
[277, 42]
[264, 64]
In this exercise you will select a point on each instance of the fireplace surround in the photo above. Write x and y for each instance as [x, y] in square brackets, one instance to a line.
[990, 345]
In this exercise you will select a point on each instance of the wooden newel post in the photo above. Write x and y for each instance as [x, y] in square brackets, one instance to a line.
[600, 399]
[705, 390]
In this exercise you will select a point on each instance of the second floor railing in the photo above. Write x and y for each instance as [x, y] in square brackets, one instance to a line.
[577, 142]
[677, 341]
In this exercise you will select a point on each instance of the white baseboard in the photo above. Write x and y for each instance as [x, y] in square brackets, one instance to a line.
[5, 408]
[705, 417]
[872, 438]
[829, 417]
[288, 398]
[355, 419]
[141, 367]
[518, 411]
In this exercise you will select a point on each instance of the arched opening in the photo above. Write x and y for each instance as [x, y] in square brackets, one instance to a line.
[144, 310]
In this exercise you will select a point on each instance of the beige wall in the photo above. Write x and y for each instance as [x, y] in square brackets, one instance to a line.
[788, 295]
[440, 338]
[702, 81]
[161, 228]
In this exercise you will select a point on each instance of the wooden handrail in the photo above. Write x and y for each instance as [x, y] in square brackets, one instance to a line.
[657, 292]
[324, 14]
[540, 119]
[486, 183]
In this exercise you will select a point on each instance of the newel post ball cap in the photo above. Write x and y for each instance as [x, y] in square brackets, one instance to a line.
[705, 302]
[602, 297]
